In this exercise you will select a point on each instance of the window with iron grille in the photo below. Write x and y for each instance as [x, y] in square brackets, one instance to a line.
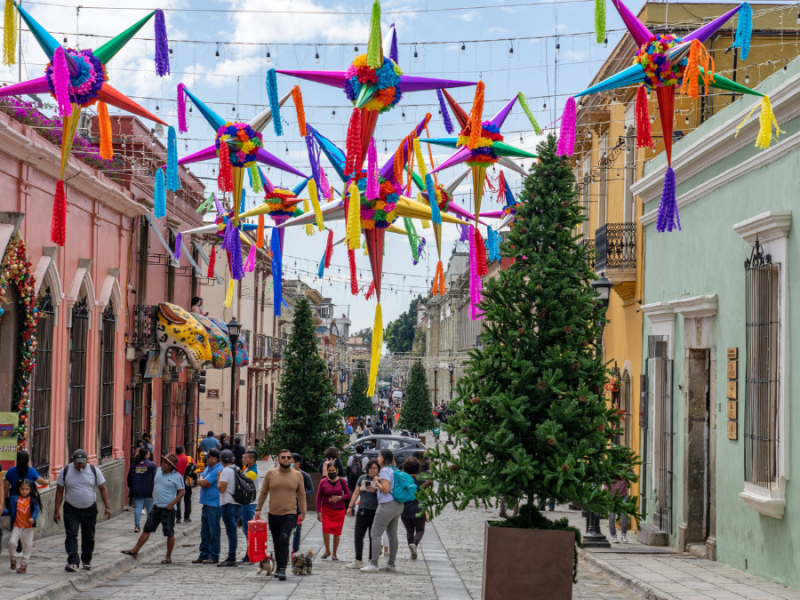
[106, 409]
[76, 409]
[42, 401]
[140, 414]
[166, 416]
[762, 377]
[189, 428]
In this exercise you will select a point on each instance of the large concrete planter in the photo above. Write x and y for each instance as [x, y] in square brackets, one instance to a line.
[311, 501]
[520, 564]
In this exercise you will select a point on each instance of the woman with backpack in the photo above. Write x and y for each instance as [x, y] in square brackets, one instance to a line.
[141, 477]
[332, 497]
[415, 525]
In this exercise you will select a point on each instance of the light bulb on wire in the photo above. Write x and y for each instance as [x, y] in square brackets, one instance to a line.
[416, 56]
[511, 51]
[463, 47]
[605, 43]
[269, 57]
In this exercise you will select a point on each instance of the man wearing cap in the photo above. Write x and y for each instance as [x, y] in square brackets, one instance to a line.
[231, 510]
[168, 490]
[76, 485]
[209, 519]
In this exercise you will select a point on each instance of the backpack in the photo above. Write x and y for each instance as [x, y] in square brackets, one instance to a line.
[191, 471]
[405, 490]
[94, 472]
[356, 468]
[244, 491]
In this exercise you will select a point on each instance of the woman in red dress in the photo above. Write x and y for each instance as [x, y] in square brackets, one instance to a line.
[332, 497]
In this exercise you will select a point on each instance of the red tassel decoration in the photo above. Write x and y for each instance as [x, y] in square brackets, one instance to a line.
[225, 176]
[480, 253]
[643, 137]
[353, 144]
[58, 227]
[260, 232]
[212, 260]
[351, 255]
[329, 250]
[371, 290]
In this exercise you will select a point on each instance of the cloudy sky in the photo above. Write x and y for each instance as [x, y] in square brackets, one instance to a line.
[293, 32]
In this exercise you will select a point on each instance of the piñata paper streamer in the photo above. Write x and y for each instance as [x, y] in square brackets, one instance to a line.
[744, 30]
[229, 295]
[160, 196]
[9, 34]
[698, 57]
[321, 270]
[225, 175]
[353, 147]
[58, 225]
[255, 178]
[374, 50]
[61, 82]
[277, 277]
[351, 259]
[178, 240]
[173, 176]
[438, 280]
[162, 45]
[377, 345]
[183, 127]
[448, 122]
[250, 265]
[600, 20]
[423, 171]
[312, 192]
[329, 249]
[372, 191]
[104, 121]
[354, 218]
[370, 290]
[235, 248]
[534, 123]
[644, 137]
[476, 117]
[212, 260]
[297, 98]
[436, 213]
[480, 254]
[274, 104]
[766, 121]
[475, 286]
[668, 208]
[412, 238]
[566, 136]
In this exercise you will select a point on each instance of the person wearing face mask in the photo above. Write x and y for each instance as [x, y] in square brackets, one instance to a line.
[332, 497]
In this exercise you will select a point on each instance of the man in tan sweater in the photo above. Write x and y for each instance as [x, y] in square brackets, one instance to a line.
[287, 494]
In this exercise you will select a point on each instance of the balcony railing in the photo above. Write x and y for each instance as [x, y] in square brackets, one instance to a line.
[616, 246]
[145, 321]
[261, 346]
[278, 346]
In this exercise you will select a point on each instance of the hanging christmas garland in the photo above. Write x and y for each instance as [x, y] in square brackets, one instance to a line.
[16, 269]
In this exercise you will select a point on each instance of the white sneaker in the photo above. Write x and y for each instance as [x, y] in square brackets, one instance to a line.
[614, 539]
[356, 564]
[413, 549]
[387, 567]
[370, 568]
[624, 538]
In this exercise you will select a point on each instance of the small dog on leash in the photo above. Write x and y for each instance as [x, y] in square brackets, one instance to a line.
[302, 563]
[268, 565]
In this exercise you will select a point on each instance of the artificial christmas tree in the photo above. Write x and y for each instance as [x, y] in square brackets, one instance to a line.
[529, 408]
[417, 411]
[304, 421]
[359, 405]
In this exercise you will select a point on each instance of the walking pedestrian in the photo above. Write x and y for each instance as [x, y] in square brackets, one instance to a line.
[238, 453]
[141, 476]
[286, 492]
[619, 488]
[412, 521]
[356, 466]
[209, 442]
[308, 483]
[332, 497]
[250, 469]
[24, 507]
[365, 494]
[76, 486]
[210, 513]
[168, 490]
[231, 510]
[147, 442]
[332, 456]
[386, 517]
[224, 442]
[187, 468]
[21, 470]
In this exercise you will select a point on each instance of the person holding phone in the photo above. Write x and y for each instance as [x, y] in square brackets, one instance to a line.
[367, 491]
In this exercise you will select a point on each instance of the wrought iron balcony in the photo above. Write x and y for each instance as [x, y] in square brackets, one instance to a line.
[145, 332]
[616, 247]
[278, 346]
[260, 350]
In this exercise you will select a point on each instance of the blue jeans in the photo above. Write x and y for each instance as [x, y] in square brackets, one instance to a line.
[210, 533]
[138, 504]
[248, 514]
[230, 516]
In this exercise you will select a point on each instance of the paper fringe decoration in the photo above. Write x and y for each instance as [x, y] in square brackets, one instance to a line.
[162, 45]
[212, 260]
[372, 192]
[182, 125]
[9, 34]
[420, 160]
[277, 277]
[426, 224]
[250, 265]
[377, 346]
[643, 132]
[173, 175]
[474, 279]
[260, 232]
[523, 101]
[61, 83]
[353, 147]
[329, 249]
[274, 104]
[370, 291]
[364, 247]
[308, 226]
[698, 57]
[297, 98]
[744, 29]
[480, 254]
[229, 295]
[492, 245]
[354, 218]
[476, 116]
[566, 137]
[766, 121]
[412, 237]
[436, 213]
[351, 259]
[160, 196]
[448, 122]
[321, 270]
[464, 233]
[58, 225]
[600, 20]
[255, 178]
[314, 196]
[178, 253]
[104, 121]
[438, 288]
[374, 50]
[235, 248]
[225, 175]
[326, 188]
[668, 208]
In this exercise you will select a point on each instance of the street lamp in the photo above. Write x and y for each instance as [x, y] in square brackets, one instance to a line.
[234, 327]
[603, 287]
[435, 384]
[452, 368]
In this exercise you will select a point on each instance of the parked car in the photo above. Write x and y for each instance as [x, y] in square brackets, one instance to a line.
[401, 447]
